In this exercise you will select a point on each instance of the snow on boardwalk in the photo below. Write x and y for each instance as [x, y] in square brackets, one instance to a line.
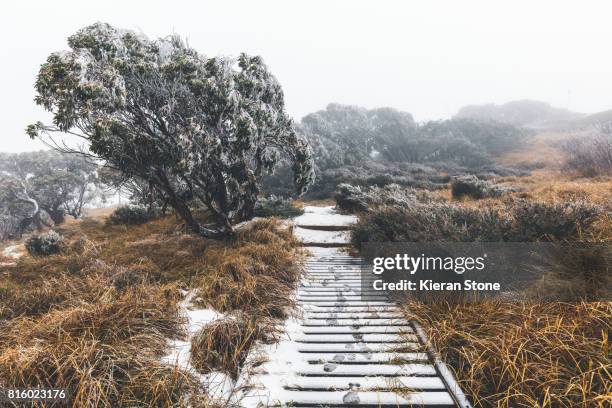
[323, 217]
[344, 350]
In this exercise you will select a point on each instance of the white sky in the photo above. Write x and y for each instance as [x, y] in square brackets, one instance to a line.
[426, 57]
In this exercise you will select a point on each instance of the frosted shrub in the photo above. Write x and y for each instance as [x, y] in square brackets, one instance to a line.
[472, 186]
[45, 244]
[590, 156]
[356, 198]
[514, 221]
[351, 198]
[535, 220]
[276, 207]
[428, 223]
[201, 131]
[129, 215]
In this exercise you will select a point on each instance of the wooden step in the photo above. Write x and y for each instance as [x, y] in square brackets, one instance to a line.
[364, 383]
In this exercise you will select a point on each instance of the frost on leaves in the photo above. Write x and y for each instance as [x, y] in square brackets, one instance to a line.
[202, 131]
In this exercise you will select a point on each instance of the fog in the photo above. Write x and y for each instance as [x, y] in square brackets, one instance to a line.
[428, 57]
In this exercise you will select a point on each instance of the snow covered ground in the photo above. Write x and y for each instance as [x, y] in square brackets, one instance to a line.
[324, 217]
[268, 380]
[219, 385]
[13, 252]
[317, 224]
[312, 236]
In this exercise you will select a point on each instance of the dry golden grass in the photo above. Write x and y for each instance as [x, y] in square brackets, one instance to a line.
[96, 318]
[104, 353]
[553, 186]
[224, 344]
[515, 354]
[541, 149]
[535, 353]
[548, 186]
[257, 278]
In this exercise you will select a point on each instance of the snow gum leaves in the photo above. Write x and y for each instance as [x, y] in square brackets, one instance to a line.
[189, 126]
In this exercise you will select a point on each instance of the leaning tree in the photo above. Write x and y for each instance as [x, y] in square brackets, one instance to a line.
[202, 131]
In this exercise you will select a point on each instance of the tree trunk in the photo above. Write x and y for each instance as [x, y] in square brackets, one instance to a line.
[58, 216]
[184, 212]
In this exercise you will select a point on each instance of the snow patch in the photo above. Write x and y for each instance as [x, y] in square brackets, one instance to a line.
[323, 252]
[310, 236]
[323, 216]
[13, 252]
[219, 386]
[272, 369]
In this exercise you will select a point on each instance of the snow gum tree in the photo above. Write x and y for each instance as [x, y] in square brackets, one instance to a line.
[46, 183]
[202, 131]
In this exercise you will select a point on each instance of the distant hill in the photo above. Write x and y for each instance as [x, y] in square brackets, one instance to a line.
[525, 113]
[592, 120]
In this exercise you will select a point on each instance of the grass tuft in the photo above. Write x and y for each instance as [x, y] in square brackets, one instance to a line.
[224, 344]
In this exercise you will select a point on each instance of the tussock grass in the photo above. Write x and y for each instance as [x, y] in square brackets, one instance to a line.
[105, 354]
[224, 344]
[524, 354]
[96, 318]
[536, 353]
[257, 278]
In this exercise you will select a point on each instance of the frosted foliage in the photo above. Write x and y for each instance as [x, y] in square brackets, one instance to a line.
[200, 130]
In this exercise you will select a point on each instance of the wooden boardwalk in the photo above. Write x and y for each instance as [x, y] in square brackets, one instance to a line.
[345, 350]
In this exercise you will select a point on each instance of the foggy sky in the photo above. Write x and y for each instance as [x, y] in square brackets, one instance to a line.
[426, 57]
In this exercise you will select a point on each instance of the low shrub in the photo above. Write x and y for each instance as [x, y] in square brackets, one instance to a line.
[45, 244]
[538, 220]
[590, 156]
[351, 198]
[430, 222]
[472, 186]
[276, 207]
[355, 198]
[379, 175]
[129, 215]
[516, 220]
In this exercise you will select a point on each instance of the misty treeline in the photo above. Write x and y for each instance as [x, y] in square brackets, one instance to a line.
[522, 113]
[208, 137]
[384, 146]
[41, 188]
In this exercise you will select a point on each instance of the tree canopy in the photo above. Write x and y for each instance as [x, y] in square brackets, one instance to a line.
[201, 131]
